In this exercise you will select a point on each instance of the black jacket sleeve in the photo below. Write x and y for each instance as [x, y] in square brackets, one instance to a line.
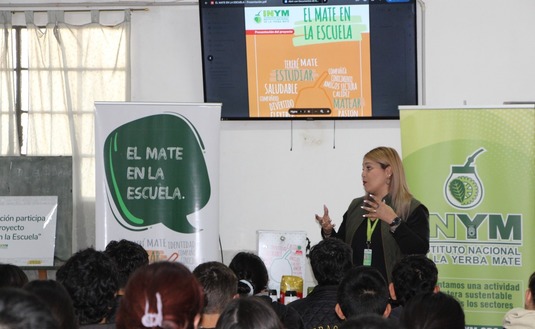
[412, 236]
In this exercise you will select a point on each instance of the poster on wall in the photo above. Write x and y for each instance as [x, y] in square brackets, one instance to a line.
[157, 178]
[28, 230]
[474, 168]
[284, 253]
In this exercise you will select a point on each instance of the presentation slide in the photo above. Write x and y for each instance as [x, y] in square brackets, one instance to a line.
[310, 60]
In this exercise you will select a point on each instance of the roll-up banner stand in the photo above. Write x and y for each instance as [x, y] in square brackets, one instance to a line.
[474, 168]
[157, 178]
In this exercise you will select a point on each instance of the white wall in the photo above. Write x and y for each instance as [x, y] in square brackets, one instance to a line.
[479, 51]
[275, 175]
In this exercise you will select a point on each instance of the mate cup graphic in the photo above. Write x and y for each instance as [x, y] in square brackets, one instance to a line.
[156, 173]
[463, 188]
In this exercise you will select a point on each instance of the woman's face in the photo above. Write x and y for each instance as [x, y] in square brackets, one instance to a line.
[375, 178]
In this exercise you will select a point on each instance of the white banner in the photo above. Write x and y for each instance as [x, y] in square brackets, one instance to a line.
[157, 178]
[28, 230]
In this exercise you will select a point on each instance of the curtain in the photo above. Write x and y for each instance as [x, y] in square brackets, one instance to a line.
[9, 144]
[70, 67]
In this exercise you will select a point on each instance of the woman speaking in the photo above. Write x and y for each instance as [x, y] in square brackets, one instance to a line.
[385, 224]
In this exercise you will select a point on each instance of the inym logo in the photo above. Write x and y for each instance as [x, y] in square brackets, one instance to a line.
[272, 16]
[463, 188]
[276, 13]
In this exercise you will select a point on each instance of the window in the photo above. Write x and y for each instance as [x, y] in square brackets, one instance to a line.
[51, 73]
[20, 67]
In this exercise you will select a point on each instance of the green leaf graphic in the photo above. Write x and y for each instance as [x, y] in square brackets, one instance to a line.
[471, 190]
[457, 189]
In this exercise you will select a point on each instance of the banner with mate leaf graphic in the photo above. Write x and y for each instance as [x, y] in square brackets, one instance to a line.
[474, 168]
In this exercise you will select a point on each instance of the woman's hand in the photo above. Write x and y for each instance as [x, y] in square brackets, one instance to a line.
[325, 221]
[377, 208]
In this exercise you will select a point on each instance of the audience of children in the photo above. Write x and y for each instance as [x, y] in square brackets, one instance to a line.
[20, 309]
[129, 256]
[90, 277]
[220, 287]
[369, 321]
[330, 259]
[432, 311]
[363, 290]
[249, 313]
[168, 295]
[161, 295]
[57, 299]
[253, 281]
[12, 276]
[412, 275]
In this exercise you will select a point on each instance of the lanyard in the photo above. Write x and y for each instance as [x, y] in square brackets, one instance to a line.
[369, 230]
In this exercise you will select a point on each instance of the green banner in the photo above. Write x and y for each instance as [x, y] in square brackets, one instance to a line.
[475, 171]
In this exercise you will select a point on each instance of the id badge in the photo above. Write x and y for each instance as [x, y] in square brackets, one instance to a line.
[367, 260]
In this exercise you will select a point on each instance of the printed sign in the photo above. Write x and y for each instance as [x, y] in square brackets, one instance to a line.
[284, 253]
[28, 230]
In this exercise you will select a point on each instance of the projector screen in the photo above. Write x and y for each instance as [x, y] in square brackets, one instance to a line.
[309, 59]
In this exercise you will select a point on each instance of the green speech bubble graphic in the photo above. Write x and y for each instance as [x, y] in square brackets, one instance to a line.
[156, 172]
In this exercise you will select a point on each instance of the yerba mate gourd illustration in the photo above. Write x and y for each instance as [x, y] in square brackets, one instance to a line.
[280, 266]
[156, 172]
[463, 188]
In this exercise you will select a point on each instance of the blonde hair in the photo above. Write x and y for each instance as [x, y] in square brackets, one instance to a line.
[398, 188]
